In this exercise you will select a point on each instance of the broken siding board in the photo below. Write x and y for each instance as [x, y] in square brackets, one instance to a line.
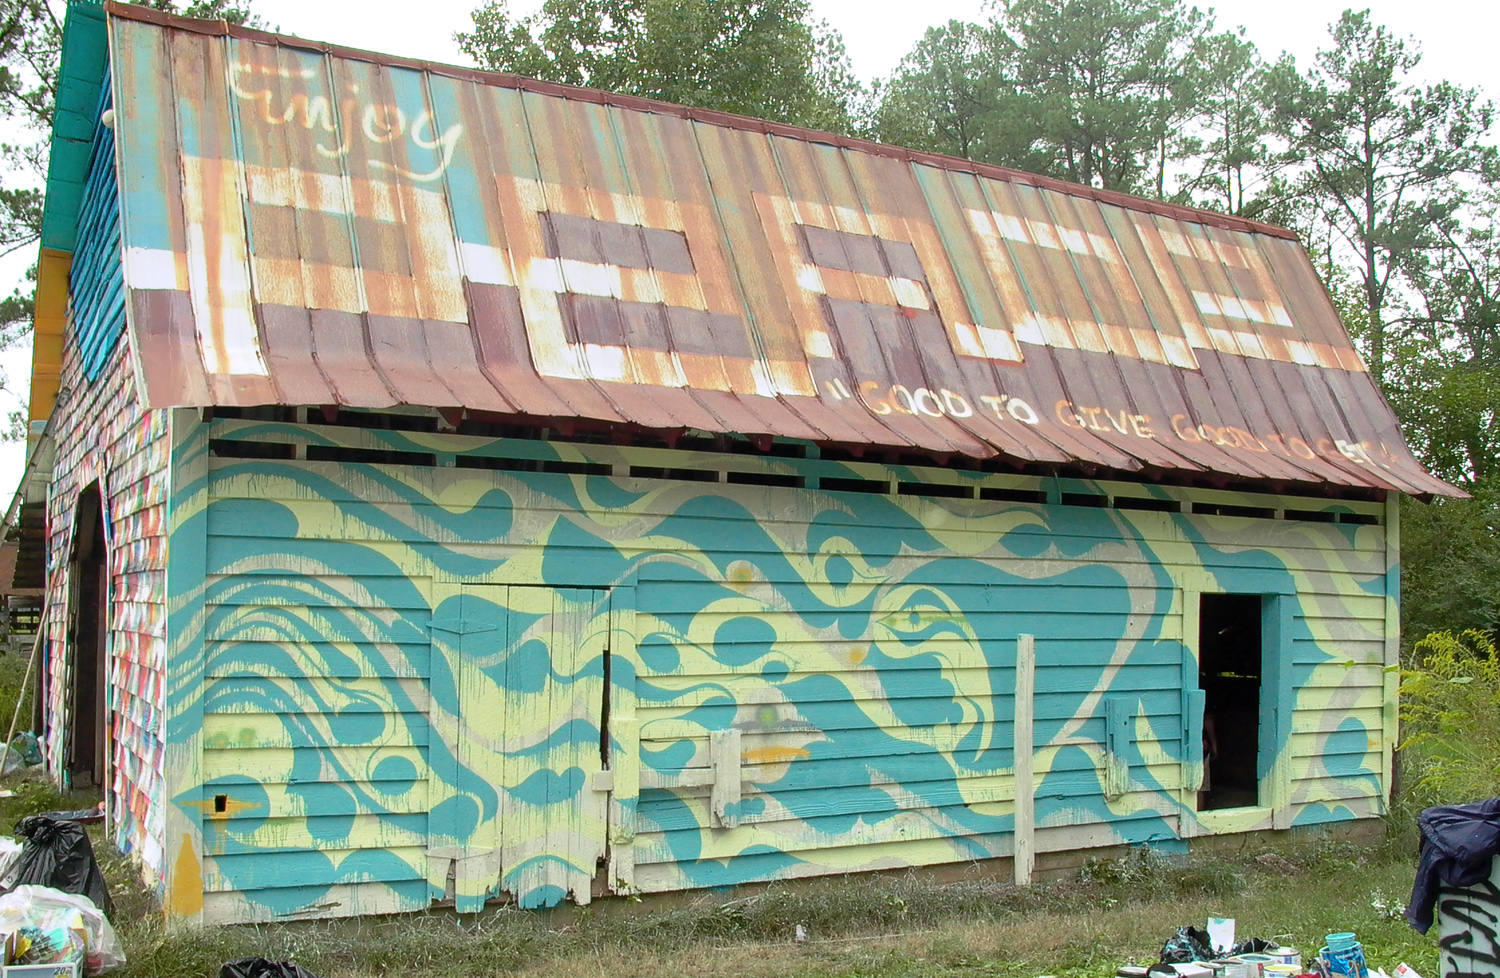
[279, 904]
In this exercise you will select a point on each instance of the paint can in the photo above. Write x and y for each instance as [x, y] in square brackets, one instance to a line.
[1239, 968]
[1345, 956]
[1279, 970]
[1288, 955]
[1257, 963]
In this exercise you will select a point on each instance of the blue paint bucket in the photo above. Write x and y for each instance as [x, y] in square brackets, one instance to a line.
[1345, 956]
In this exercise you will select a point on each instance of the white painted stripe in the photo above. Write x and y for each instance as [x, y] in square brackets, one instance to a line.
[909, 293]
[605, 362]
[589, 278]
[810, 279]
[999, 344]
[152, 268]
[485, 264]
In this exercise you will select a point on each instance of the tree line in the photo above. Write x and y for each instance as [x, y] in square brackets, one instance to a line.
[1393, 185]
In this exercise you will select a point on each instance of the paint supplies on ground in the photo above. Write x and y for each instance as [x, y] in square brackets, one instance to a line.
[57, 853]
[1215, 943]
[261, 968]
[1345, 956]
[48, 926]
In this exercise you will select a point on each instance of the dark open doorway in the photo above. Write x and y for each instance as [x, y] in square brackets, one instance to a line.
[1230, 666]
[88, 623]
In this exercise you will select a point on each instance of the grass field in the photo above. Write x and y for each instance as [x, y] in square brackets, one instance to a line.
[862, 927]
[857, 928]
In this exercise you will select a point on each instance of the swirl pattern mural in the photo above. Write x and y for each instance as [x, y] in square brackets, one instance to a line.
[421, 666]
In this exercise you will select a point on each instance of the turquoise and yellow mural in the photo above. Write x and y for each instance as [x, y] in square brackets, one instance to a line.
[410, 666]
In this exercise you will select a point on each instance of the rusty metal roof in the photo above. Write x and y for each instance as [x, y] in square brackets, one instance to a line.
[306, 224]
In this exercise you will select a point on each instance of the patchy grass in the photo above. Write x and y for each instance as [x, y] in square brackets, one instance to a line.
[858, 927]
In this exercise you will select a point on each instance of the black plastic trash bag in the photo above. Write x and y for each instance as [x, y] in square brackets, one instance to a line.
[261, 968]
[85, 816]
[1188, 944]
[58, 854]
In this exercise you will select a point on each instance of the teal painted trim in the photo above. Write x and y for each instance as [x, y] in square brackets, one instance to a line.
[97, 283]
[186, 580]
[1278, 698]
[85, 60]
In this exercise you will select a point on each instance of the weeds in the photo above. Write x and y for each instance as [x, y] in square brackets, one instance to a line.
[896, 926]
[1450, 709]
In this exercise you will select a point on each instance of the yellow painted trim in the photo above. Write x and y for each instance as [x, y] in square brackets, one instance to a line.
[50, 319]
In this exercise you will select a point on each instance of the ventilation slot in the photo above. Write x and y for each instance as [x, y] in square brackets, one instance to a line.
[1014, 495]
[854, 485]
[277, 413]
[368, 419]
[375, 456]
[532, 465]
[1311, 515]
[1225, 509]
[935, 490]
[1363, 519]
[1085, 499]
[766, 479]
[1150, 505]
[224, 448]
[777, 448]
[682, 475]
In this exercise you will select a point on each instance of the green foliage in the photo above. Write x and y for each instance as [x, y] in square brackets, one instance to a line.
[1380, 161]
[1445, 356]
[1094, 91]
[948, 95]
[1109, 82]
[1450, 711]
[765, 58]
[1228, 154]
[1450, 552]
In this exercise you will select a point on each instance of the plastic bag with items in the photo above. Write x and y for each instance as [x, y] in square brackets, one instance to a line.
[61, 927]
[58, 854]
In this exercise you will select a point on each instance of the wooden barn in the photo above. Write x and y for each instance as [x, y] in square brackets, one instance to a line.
[459, 487]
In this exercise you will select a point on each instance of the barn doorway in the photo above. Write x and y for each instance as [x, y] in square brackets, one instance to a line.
[517, 803]
[85, 749]
[1231, 660]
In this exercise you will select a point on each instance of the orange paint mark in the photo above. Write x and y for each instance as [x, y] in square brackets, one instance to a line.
[776, 755]
[858, 656]
[186, 890]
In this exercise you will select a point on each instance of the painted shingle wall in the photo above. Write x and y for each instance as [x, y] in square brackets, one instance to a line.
[105, 436]
[402, 668]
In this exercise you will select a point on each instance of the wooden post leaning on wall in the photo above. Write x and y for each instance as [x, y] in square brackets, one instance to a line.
[1025, 842]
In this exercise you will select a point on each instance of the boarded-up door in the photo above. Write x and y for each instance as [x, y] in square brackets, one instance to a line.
[514, 802]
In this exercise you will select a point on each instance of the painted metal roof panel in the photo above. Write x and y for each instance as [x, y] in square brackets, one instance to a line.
[311, 225]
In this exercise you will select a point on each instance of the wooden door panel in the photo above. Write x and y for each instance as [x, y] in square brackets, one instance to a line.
[528, 665]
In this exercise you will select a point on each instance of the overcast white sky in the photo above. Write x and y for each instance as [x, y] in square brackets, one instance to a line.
[1457, 38]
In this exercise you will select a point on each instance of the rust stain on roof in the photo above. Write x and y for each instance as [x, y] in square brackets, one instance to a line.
[311, 225]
